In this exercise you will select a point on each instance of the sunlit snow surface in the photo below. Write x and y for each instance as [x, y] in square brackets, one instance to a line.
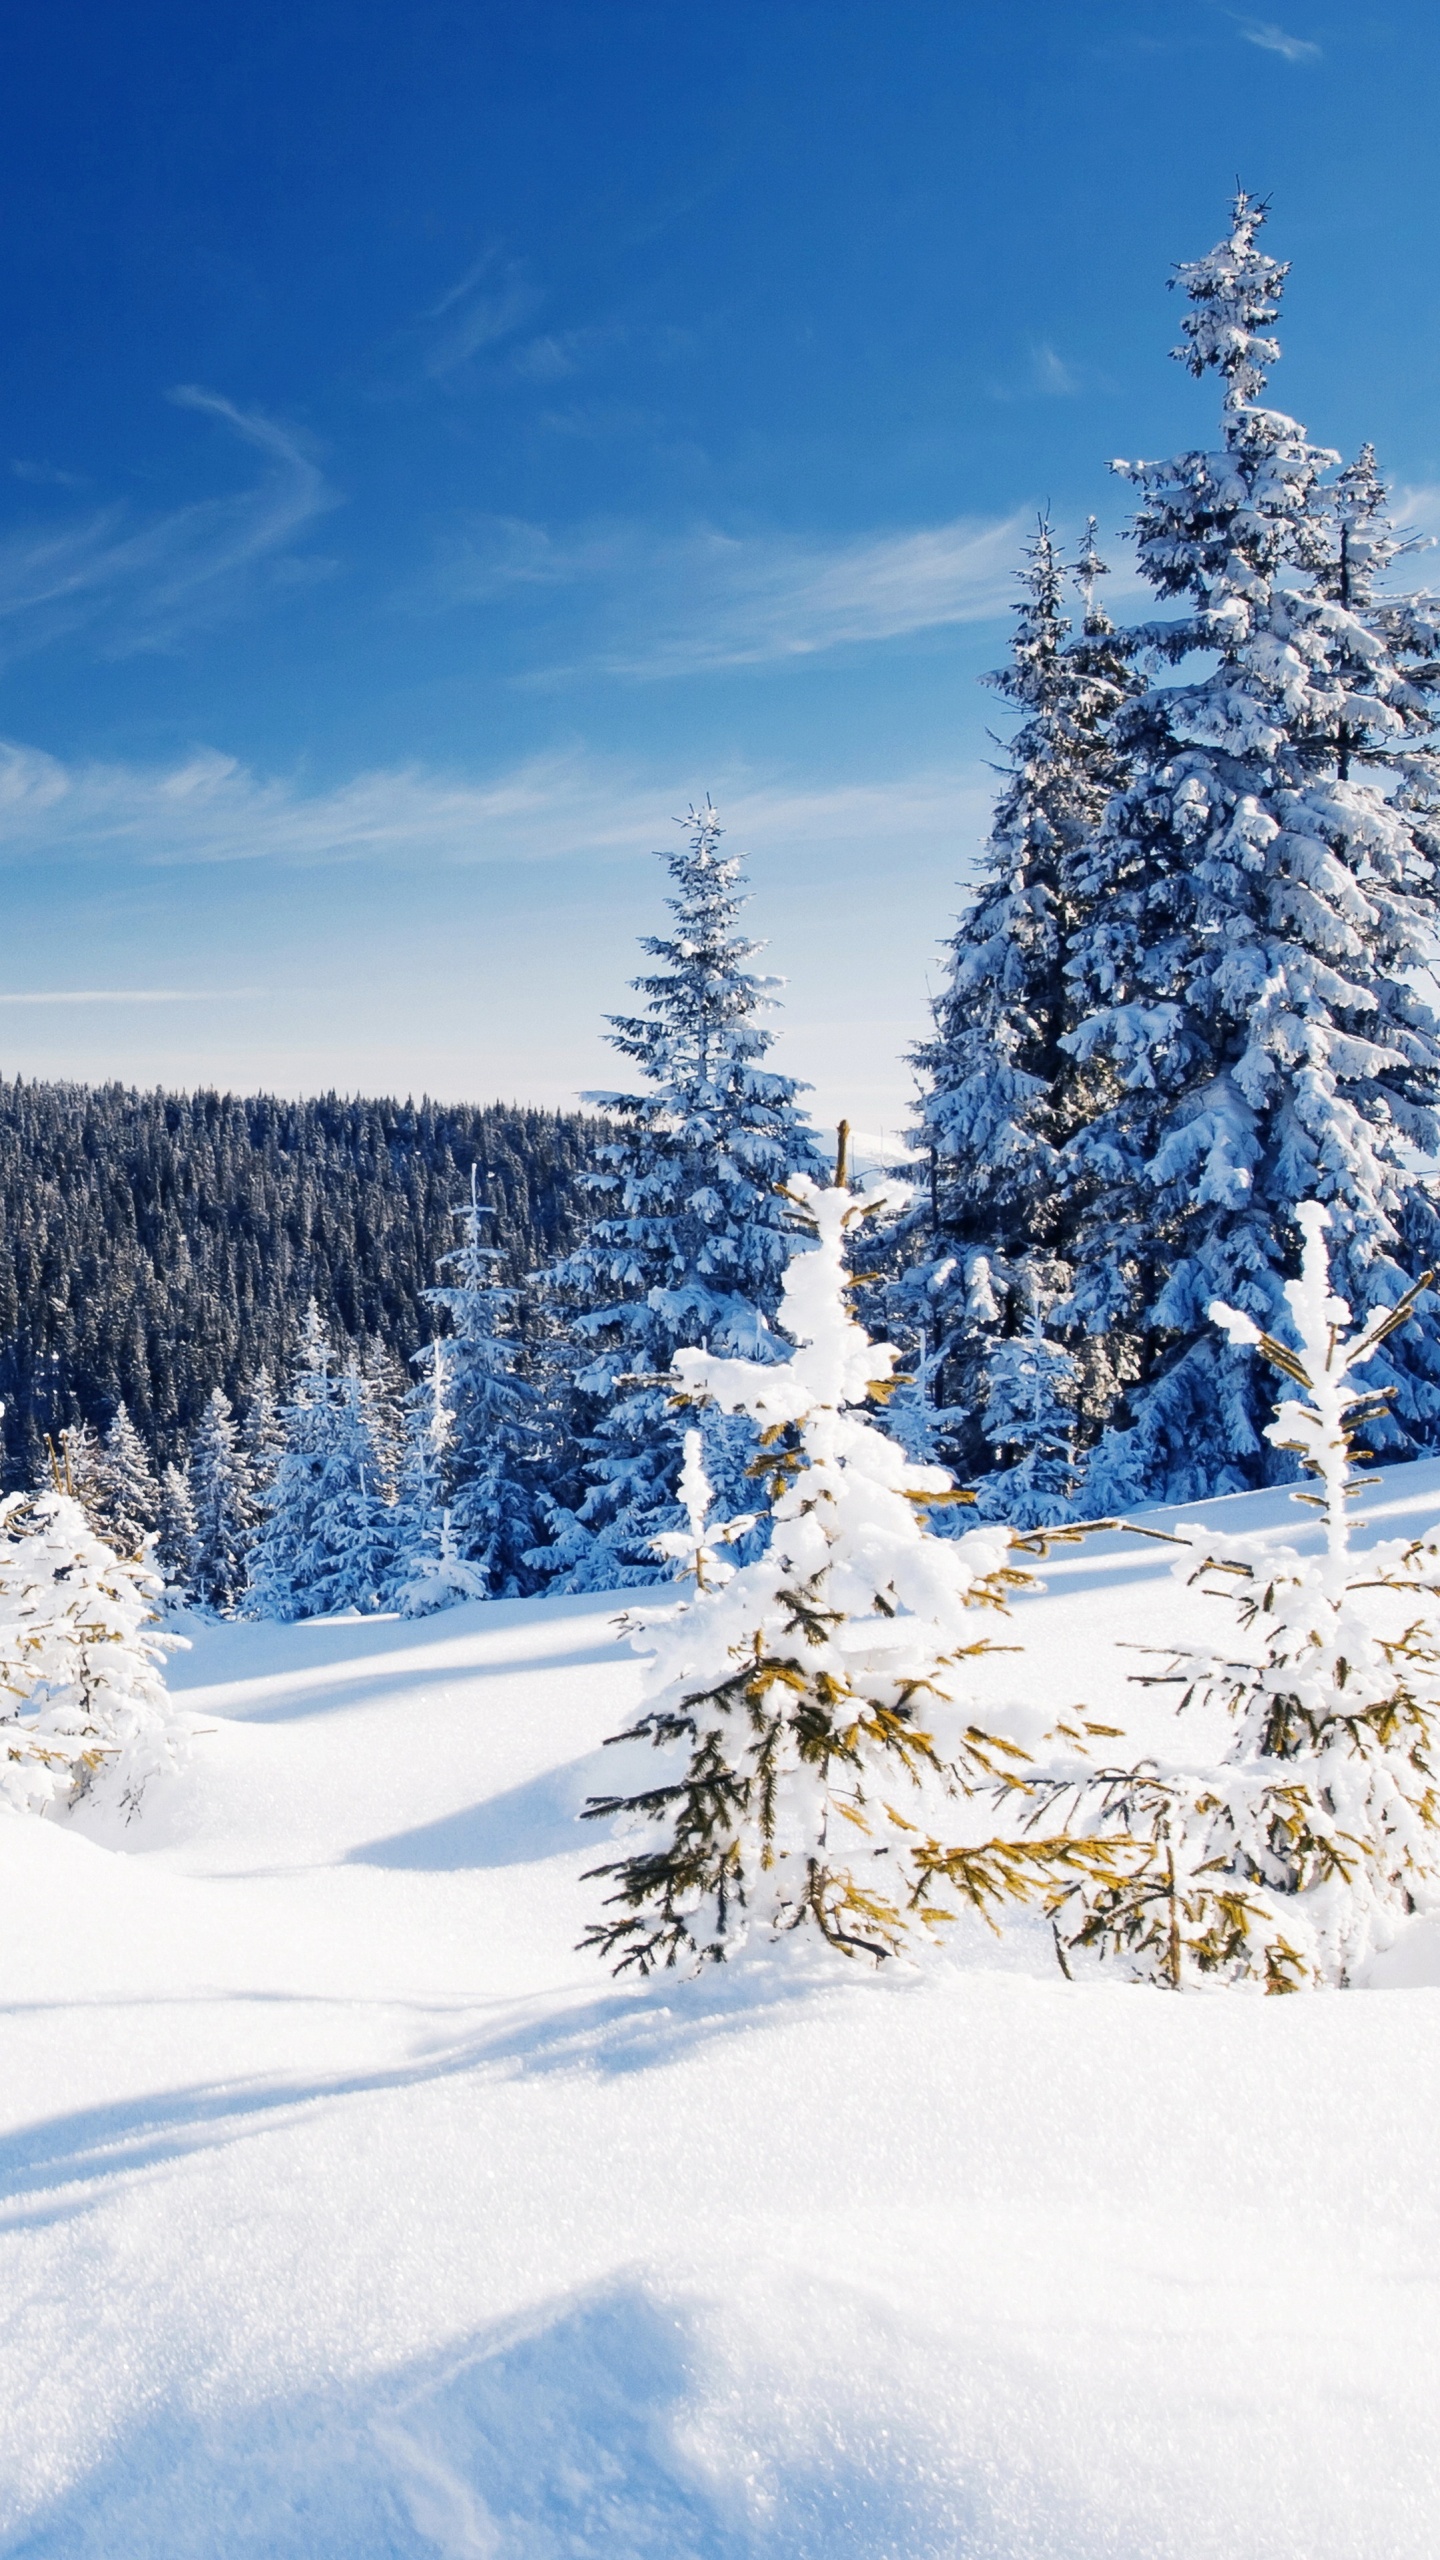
[344, 2210]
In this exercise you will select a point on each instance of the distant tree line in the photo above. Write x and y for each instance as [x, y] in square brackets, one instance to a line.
[156, 1246]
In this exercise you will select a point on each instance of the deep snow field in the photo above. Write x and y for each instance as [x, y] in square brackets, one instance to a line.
[346, 2210]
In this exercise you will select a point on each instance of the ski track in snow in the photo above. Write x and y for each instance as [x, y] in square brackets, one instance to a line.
[346, 2210]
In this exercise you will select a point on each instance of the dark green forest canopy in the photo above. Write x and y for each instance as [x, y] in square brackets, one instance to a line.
[156, 1245]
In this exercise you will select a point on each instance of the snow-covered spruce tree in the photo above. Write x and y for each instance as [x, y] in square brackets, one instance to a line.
[387, 1394]
[690, 1244]
[1000, 1092]
[1295, 1858]
[493, 1433]
[85, 1712]
[427, 1571]
[262, 1438]
[280, 1562]
[327, 1540]
[126, 1496]
[1259, 899]
[224, 1518]
[798, 1701]
[176, 1533]
[1030, 1424]
[359, 1522]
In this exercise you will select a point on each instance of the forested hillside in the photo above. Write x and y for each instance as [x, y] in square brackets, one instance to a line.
[156, 1245]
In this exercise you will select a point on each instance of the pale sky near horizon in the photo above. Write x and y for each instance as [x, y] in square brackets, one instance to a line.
[442, 441]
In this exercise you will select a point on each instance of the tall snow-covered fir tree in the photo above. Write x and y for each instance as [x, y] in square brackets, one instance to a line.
[126, 1495]
[176, 1534]
[689, 1245]
[1259, 899]
[427, 1571]
[223, 1515]
[1001, 1093]
[493, 1433]
[262, 1438]
[328, 1538]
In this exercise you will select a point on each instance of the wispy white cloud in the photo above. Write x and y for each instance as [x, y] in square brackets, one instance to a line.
[1041, 372]
[474, 325]
[127, 995]
[1051, 374]
[671, 605]
[1272, 39]
[48, 475]
[149, 581]
[490, 302]
[1415, 511]
[210, 809]
[787, 599]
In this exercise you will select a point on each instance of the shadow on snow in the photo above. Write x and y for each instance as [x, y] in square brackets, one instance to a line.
[560, 2437]
[72, 2159]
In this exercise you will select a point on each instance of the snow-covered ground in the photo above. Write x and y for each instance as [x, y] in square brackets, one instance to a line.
[345, 2210]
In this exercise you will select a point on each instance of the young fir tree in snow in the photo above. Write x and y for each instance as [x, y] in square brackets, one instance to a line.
[224, 1518]
[1001, 1093]
[801, 1699]
[126, 1495]
[427, 1572]
[328, 1538]
[1296, 1858]
[690, 1244]
[1260, 898]
[176, 1534]
[493, 1431]
[83, 1707]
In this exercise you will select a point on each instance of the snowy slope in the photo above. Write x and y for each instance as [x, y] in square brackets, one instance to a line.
[344, 2210]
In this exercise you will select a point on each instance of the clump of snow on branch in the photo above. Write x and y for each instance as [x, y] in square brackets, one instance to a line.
[696, 1548]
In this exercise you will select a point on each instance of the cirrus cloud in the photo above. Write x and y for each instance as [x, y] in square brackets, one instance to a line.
[211, 809]
[143, 581]
[676, 604]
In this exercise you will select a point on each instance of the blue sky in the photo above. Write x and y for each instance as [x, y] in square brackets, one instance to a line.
[441, 440]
